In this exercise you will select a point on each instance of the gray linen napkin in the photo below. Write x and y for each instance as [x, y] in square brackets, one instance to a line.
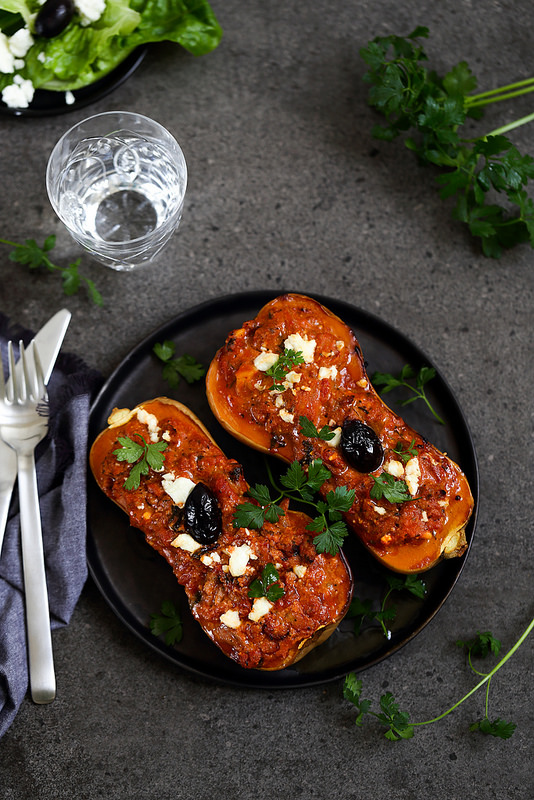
[61, 476]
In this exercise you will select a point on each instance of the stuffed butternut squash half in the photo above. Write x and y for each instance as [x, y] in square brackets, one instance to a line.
[264, 597]
[296, 371]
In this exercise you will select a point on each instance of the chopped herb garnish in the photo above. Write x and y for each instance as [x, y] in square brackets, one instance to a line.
[169, 622]
[307, 428]
[389, 487]
[285, 363]
[405, 454]
[388, 382]
[142, 456]
[267, 586]
[185, 366]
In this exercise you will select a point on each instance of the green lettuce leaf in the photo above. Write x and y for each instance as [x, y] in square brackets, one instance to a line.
[82, 54]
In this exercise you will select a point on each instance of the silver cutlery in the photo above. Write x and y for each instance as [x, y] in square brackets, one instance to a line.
[23, 424]
[49, 340]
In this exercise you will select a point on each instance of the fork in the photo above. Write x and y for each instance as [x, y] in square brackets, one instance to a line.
[23, 424]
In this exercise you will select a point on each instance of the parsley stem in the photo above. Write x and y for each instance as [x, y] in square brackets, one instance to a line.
[474, 98]
[511, 125]
[498, 98]
[485, 679]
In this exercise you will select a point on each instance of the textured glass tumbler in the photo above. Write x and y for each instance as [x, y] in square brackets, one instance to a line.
[117, 182]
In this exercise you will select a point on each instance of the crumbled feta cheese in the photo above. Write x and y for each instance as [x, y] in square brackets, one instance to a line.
[166, 435]
[150, 421]
[41, 56]
[239, 558]
[286, 415]
[230, 619]
[178, 489]
[424, 516]
[279, 401]
[305, 346]
[379, 510]
[291, 378]
[340, 344]
[265, 361]
[20, 42]
[394, 468]
[210, 559]
[300, 570]
[90, 10]
[186, 542]
[6, 56]
[412, 475]
[336, 438]
[327, 372]
[18, 94]
[69, 100]
[362, 383]
[260, 607]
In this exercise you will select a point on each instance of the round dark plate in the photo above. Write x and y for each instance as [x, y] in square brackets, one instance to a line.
[47, 104]
[135, 580]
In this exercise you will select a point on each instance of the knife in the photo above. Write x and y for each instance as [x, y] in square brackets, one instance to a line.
[48, 342]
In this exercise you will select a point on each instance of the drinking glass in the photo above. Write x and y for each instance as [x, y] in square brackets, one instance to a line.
[117, 181]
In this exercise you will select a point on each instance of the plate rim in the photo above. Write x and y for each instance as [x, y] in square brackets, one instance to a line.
[256, 679]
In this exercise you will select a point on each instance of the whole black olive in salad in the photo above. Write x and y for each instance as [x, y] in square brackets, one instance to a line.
[361, 446]
[202, 515]
[53, 18]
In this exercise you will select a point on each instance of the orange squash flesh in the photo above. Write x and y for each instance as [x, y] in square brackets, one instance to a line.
[317, 587]
[331, 388]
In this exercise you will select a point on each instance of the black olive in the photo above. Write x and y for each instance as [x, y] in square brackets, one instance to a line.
[202, 515]
[53, 18]
[361, 446]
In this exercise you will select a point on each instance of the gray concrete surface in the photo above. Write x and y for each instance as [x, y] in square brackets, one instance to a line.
[288, 189]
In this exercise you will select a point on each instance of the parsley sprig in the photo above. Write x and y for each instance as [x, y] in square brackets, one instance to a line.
[398, 724]
[142, 456]
[35, 257]
[429, 112]
[386, 382]
[361, 610]
[285, 363]
[301, 485]
[267, 585]
[393, 489]
[308, 428]
[185, 366]
[168, 622]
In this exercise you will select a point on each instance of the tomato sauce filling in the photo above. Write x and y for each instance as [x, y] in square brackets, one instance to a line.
[317, 587]
[330, 389]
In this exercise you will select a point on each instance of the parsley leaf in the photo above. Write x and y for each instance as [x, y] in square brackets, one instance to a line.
[185, 366]
[361, 610]
[395, 721]
[405, 454]
[307, 428]
[498, 728]
[267, 586]
[393, 489]
[33, 256]
[286, 361]
[167, 622]
[388, 382]
[481, 645]
[141, 456]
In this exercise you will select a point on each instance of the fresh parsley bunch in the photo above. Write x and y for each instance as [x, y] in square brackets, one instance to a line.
[429, 112]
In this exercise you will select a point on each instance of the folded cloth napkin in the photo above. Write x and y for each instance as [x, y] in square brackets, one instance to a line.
[61, 460]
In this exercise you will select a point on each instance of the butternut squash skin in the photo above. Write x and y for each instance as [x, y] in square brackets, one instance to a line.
[332, 389]
[317, 587]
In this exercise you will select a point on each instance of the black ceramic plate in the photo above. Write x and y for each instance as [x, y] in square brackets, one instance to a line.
[135, 580]
[48, 104]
